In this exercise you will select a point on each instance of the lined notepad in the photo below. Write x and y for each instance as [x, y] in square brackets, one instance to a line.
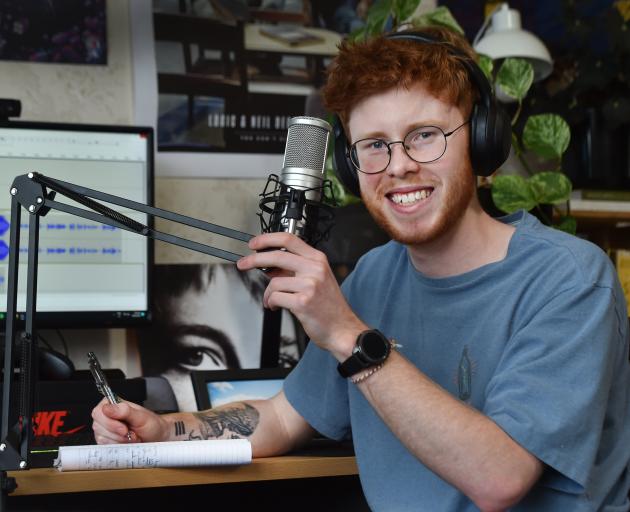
[154, 455]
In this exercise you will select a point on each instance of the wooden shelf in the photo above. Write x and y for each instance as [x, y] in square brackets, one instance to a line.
[599, 215]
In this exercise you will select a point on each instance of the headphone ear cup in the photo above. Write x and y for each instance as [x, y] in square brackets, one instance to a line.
[343, 166]
[490, 138]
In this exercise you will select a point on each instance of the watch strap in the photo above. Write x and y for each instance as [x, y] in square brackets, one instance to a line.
[351, 366]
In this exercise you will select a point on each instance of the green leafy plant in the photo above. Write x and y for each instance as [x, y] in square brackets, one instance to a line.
[385, 15]
[545, 137]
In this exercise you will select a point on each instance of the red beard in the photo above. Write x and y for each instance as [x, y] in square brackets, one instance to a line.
[451, 210]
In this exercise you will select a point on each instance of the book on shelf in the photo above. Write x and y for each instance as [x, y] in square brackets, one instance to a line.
[600, 200]
[291, 36]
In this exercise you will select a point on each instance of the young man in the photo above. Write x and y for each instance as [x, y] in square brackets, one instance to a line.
[508, 385]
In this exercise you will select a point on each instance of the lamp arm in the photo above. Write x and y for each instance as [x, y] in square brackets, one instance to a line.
[486, 23]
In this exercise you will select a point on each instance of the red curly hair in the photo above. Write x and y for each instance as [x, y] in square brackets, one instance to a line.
[362, 69]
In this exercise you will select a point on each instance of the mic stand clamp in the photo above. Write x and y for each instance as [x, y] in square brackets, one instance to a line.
[289, 209]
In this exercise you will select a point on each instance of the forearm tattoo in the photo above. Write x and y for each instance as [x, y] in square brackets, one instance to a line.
[235, 422]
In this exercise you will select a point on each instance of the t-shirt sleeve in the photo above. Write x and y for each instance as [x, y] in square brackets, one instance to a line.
[550, 390]
[316, 390]
[319, 394]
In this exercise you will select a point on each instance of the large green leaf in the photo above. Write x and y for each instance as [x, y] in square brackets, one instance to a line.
[511, 193]
[487, 65]
[550, 187]
[548, 135]
[515, 77]
[567, 224]
[403, 9]
[380, 8]
[439, 16]
[378, 15]
[341, 195]
[374, 26]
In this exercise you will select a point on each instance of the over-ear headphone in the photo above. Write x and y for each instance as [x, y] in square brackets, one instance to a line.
[490, 128]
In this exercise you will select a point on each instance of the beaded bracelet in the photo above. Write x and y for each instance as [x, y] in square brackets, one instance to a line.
[367, 374]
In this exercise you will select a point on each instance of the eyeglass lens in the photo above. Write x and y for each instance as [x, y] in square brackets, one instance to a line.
[423, 144]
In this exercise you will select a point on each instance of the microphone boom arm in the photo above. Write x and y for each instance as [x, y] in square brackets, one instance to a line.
[113, 218]
[29, 191]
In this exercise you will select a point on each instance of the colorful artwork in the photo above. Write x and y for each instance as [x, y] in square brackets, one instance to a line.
[59, 31]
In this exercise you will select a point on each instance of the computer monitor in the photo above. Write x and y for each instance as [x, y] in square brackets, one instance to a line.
[89, 274]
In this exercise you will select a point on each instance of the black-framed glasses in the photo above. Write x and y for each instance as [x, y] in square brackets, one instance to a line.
[423, 144]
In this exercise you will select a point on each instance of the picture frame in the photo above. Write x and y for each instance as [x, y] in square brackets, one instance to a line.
[217, 387]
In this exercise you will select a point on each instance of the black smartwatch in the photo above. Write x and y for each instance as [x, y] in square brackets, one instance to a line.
[371, 349]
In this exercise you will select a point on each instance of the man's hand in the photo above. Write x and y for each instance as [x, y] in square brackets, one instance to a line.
[303, 282]
[112, 422]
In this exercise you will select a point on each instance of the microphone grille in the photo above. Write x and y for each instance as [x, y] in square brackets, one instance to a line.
[307, 143]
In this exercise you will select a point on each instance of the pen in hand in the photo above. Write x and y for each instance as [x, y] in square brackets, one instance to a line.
[101, 383]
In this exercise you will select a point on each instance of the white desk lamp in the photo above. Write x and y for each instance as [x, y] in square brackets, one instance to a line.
[502, 36]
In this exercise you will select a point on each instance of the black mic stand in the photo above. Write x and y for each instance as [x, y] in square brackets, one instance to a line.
[30, 192]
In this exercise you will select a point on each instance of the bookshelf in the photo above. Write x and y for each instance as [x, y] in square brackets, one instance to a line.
[603, 216]
[606, 222]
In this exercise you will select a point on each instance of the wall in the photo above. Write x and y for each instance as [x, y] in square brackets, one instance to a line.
[74, 93]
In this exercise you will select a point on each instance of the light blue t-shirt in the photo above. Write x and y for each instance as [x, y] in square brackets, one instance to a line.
[538, 342]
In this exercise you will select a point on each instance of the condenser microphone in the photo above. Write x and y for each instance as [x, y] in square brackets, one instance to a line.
[294, 202]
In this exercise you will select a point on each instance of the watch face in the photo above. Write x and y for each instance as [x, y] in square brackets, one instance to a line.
[374, 346]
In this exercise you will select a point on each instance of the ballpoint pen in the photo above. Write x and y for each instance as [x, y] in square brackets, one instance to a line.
[101, 383]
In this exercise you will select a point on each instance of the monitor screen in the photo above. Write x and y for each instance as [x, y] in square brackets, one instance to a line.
[89, 274]
[224, 392]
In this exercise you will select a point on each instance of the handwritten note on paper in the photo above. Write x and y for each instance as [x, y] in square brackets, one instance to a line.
[154, 455]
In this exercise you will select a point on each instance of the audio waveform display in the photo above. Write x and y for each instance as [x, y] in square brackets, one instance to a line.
[64, 241]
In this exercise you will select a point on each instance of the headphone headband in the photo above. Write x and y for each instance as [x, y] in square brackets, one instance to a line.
[474, 71]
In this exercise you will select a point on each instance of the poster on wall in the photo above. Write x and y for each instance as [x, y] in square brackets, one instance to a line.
[198, 324]
[231, 74]
[56, 31]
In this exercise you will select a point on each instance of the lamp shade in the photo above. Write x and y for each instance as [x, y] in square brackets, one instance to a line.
[506, 38]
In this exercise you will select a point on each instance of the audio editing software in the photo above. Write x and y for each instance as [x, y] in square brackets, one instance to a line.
[83, 265]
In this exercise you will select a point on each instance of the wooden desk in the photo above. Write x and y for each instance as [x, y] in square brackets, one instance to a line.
[52, 481]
